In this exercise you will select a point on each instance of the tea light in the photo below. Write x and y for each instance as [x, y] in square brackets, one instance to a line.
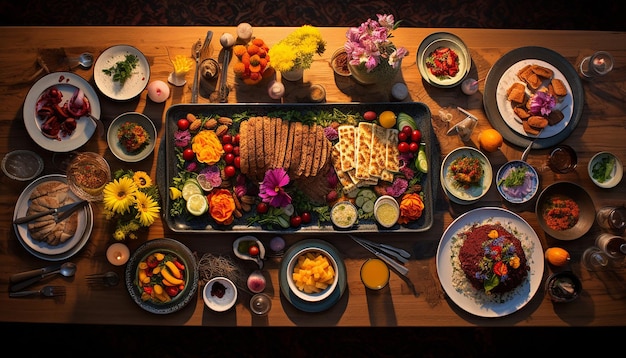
[158, 91]
[118, 254]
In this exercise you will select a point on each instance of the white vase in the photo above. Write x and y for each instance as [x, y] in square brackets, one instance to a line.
[381, 74]
[293, 75]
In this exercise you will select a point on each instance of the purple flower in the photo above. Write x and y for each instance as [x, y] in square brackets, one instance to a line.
[272, 189]
[398, 187]
[182, 138]
[191, 167]
[331, 133]
[542, 103]
[213, 174]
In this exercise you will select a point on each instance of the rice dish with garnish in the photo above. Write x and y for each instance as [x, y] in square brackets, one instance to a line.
[489, 262]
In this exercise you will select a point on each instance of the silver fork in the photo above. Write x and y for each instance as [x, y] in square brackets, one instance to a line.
[46, 291]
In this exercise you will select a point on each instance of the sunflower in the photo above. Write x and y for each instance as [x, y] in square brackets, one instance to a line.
[147, 209]
[119, 195]
[142, 180]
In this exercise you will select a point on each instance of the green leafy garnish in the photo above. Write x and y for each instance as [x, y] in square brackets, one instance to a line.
[515, 177]
[601, 171]
[122, 70]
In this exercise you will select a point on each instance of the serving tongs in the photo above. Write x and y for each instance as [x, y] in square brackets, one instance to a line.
[382, 250]
[60, 213]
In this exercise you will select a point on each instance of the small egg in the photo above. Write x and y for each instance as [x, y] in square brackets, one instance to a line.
[277, 244]
[256, 281]
[158, 91]
[227, 40]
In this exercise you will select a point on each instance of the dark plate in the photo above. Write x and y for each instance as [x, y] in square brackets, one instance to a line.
[572, 191]
[164, 246]
[491, 89]
[166, 164]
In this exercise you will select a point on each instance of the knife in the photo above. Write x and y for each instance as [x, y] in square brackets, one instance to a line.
[32, 273]
[400, 254]
[64, 212]
[389, 261]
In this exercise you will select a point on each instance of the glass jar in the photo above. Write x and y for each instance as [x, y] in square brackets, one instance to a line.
[612, 218]
[612, 245]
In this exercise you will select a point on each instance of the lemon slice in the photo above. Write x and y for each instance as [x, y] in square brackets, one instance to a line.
[197, 204]
[175, 193]
[191, 187]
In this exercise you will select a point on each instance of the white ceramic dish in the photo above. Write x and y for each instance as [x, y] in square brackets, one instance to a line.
[118, 149]
[534, 255]
[435, 41]
[133, 86]
[616, 174]
[66, 83]
[311, 297]
[460, 195]
[43, 250]
[522, 193]
[387, 221]
[220, 286]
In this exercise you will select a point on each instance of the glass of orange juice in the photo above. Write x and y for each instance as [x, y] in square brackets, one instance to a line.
[374, 274]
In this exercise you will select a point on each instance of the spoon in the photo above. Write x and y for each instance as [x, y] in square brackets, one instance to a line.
[109, 278]
[68, 269]
[85, 60]
[227, 41]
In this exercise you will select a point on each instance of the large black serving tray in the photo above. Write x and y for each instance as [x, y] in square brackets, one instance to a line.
[166, 164]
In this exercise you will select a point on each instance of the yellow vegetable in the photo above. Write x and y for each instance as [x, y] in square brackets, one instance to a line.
[313, 273]
[169, 277]
[175, 271]
[159, 256]
[156, 270]
[158, 289]
[167, 283]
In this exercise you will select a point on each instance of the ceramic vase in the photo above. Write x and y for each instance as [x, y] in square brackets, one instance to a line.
[293, 75]
[383, 73]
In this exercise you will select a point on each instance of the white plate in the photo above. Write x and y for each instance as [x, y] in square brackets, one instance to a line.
[461, 195]
[524, 232]
[67, 83]
[506, 110]
[118, 149]
[133, 86]
[41, 249]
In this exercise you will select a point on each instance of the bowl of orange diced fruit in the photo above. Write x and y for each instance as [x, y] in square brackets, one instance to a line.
[312, 274]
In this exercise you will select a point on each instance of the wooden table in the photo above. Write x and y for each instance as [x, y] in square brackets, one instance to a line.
[602, 127]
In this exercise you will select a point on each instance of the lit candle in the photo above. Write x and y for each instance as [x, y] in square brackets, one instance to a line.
[158, 91]
[118, 254]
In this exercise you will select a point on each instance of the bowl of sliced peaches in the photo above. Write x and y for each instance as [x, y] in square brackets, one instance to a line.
[312, 274]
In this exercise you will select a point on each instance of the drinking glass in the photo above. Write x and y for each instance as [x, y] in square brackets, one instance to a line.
[594, 259]
[596, 65]
[562, 159]
[260, 304]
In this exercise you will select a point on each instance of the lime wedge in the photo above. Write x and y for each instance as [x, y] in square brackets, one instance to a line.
[191, 187]
[422, 162]
[197, 204]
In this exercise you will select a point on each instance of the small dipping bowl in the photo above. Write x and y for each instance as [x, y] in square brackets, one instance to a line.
[386, 211]
[87, 175]
[260, 304]
[219, 294]
[563, 286]
[22, 165]
[597, 163]
[344, 214]
[375, 274]
[339, 62]
[562, 159]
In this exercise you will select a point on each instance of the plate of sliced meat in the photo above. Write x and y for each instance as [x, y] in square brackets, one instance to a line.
[48, 237]
[533, 93]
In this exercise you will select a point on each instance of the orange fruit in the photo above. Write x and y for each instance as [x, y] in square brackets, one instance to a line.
[557, 256]
[490, 140]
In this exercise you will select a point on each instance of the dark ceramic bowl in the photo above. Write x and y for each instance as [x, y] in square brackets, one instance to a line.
[563, 286]
[566, 190]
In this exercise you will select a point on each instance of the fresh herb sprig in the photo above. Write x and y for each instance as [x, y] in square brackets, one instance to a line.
[515, 178]
[123, 70]
[602, 170]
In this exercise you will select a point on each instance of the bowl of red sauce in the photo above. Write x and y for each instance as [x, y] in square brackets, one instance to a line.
[443, 60]
[565, 211]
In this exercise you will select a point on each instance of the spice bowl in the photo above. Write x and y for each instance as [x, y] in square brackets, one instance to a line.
[564, 192]
[220, 294]
[339, 62]
[124, 140]
[563, 286]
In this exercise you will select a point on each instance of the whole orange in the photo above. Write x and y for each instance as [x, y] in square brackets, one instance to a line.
[490, 140]
[557, 256]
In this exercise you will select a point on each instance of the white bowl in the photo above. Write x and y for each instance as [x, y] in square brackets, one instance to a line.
[435, 41]
[460, 195]
[118, 149]
[391, 217]
[213, 301]
[311, 297]
[340, 220]
[525, 192]
[616, 173]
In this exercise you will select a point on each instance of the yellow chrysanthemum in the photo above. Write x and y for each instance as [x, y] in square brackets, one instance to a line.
[119, 235]
[119, 195]
[142, 179]
[297, 49]
[147, 209]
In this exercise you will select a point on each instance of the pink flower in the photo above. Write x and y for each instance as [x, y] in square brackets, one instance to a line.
[542, 103]
[182, 138]
[272, 189]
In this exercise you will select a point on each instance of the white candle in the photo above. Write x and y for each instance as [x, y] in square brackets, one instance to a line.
[118, 254]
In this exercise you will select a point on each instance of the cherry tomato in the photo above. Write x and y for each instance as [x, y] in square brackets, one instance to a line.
[228, 148]
[296, 221]
[147, 289]
[306, 217]
[171, 290]
[227, 138]
[369, 115]
[414, 147]
[183, 124]
[188, 154]
[237, 162]
[229, 158]
[230, 171]
[402, 137]
[408, 130]
[261, 208]
[403, 147]
[235, 140]
[236, 150]
[152, 261]
[253, 250]
[416, 135]
[179, 265]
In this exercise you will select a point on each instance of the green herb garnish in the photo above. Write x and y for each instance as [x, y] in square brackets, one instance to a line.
[601, 171]
[122, 70]
[515, 178]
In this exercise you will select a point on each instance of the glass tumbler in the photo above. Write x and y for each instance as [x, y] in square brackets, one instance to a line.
[596, 65]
